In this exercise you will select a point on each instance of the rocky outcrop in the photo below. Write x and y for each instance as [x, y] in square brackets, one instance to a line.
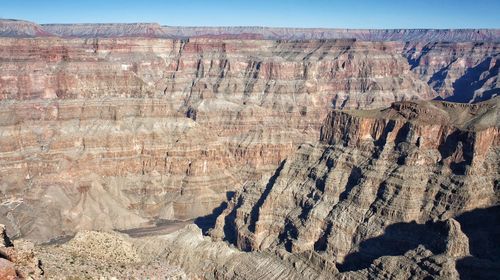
[380, 182]
[18, 261]
[98, 255]
[21, 29]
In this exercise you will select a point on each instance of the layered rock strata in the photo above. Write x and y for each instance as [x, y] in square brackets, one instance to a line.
[379, 182]
[458, 72]
[116, 133]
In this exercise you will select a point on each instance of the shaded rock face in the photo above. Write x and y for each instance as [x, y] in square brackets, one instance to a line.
[114, 133]
[390, 182]
[458, 72]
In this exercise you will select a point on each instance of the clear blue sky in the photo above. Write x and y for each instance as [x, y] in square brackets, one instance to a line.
[290, 13]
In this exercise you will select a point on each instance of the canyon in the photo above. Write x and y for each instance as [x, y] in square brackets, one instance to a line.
[291, 153]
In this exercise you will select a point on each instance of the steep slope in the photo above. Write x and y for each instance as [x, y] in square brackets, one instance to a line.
[458, 72]
[379, 182]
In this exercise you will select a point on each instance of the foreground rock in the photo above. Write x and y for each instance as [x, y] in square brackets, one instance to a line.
[18, 260]
[187, 254]
[103, 255]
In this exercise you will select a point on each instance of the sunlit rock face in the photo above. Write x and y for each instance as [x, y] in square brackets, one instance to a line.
[379, 182]
[113, 133]
[314, 153]
[124, 129]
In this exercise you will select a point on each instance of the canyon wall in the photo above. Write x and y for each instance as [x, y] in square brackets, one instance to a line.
[314, 151]
[458, 72]
[120, 132]
[379, 182]
[116, 133]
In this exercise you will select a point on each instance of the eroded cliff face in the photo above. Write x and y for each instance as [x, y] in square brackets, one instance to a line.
[379, 182]
[458, 72]
[116, 133]
[131, 129]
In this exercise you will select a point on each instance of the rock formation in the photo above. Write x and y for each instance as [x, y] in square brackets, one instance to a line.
[114, 133]
[98, 255]
[304, 153]
[459, 72]
[18, 260]
[379, 182]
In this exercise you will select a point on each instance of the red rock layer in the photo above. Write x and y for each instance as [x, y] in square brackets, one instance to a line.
[114, 133]
[381, 177]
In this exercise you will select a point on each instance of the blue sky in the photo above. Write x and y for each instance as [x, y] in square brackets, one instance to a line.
[291, 13]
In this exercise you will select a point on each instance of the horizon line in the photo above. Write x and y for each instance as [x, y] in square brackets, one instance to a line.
[254, 26]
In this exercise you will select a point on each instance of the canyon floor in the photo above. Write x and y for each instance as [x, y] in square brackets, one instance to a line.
[140, 151]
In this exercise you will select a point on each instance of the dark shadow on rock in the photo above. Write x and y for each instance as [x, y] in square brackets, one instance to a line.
[207, 222]
[473, 79]
[482, 227]
[382, 140]
[415, 62]
[472, 268]
[397, 240]
[352, 181]
[289, 233]
[458, 140]
[488, 94]
[230, 225]
[254, 214]
[401, 142]
[322, 242]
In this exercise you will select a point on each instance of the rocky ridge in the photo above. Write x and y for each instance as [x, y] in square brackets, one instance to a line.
[280, 228]
[18, 259]
[379, 182]
[19, 28]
